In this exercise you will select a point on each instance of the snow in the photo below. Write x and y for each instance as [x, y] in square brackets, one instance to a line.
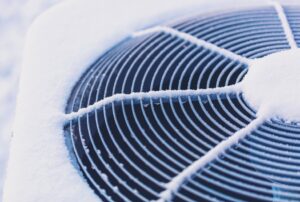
[154, 95]
[15, 17]
[60, 46]
[194, 40]
[286, 27]
[272, 85]
[211, 155]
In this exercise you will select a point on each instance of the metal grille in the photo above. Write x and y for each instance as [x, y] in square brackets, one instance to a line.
[158, 102]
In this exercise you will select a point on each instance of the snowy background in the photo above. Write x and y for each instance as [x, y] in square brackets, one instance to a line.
[15, 18]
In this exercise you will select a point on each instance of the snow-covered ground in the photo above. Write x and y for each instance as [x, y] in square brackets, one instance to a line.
[15, 18]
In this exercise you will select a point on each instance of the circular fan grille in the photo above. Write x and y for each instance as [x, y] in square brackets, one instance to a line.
[155, 118]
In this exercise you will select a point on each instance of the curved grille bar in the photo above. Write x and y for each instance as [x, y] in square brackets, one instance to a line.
[169, 97]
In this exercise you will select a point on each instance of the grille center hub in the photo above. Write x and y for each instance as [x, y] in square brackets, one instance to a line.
[272, 84]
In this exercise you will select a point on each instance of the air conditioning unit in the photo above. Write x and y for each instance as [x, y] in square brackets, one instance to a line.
[159, 101]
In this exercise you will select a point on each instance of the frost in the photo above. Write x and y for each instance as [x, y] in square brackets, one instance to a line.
[214, 153]
[270, 86]
[116, 189]
[104, 177]
[152, 95]
[285, 24]
[60, 47]
[193, 40]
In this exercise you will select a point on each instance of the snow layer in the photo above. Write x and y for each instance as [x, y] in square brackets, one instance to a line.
[153, 94]
[60, 46]
[211, 155]
[15, 17]
[272, 85]
[194, 40]
[285, 24]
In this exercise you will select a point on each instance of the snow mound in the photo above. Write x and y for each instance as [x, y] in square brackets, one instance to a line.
[272, 84]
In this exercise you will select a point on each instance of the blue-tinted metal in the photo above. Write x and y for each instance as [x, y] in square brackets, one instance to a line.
[127, 150]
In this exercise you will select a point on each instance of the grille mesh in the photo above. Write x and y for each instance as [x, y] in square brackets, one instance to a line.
[128, 149]
[293, 16]
[253, 33]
